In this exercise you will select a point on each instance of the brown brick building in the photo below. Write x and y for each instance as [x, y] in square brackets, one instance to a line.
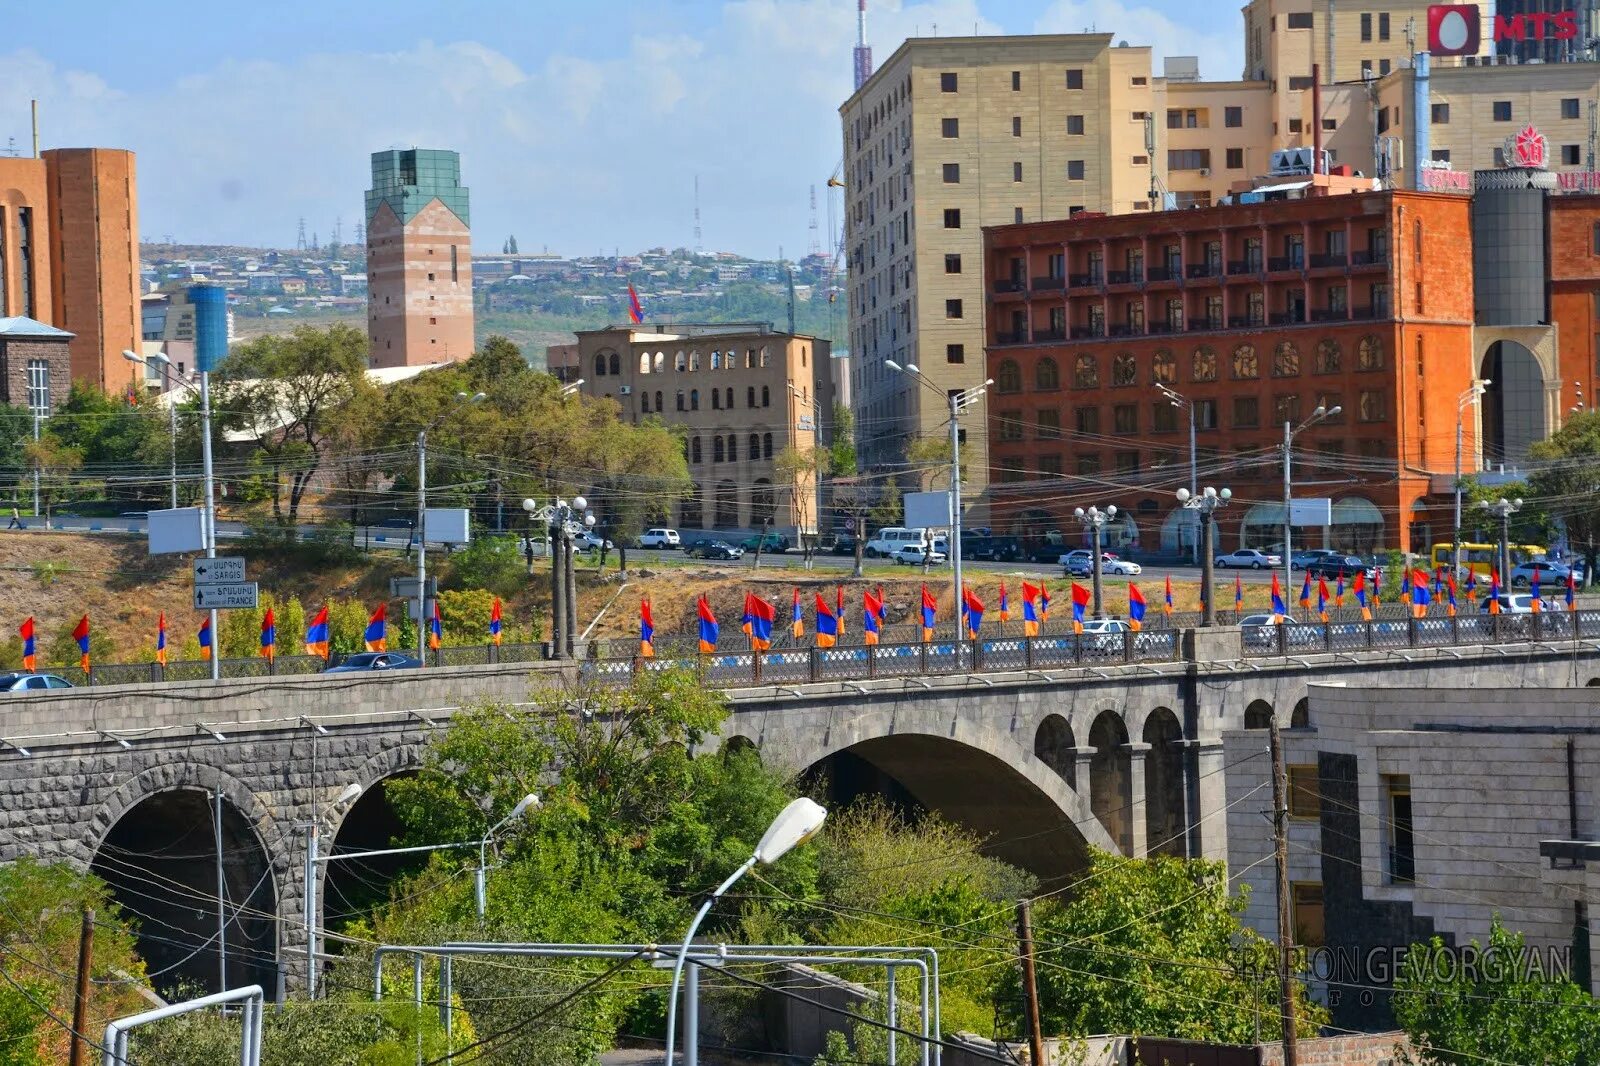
[1255, 314]
[35, 367]
[69, 254]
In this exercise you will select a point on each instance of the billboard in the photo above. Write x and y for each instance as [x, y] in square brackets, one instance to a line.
[1457, 29]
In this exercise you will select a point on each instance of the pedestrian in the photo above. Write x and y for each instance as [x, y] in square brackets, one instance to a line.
[16, 519]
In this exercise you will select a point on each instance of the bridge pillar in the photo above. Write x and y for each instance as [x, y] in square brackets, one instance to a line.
[1209, 788]
[1082, 757]
[1137, 840]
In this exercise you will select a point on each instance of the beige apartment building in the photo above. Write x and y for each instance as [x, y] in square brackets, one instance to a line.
[741, 394]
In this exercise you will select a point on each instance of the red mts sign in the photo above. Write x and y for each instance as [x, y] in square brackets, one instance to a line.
[1456, 29]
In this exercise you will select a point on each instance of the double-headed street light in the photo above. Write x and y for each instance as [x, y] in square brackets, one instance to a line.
[1290, 432]
[1094, 521]
[1205, 503]
[959, 401]
[1503, 509]
[462, 400]
[562, 519]
[1182, 402]
[481, 882]
[1470, 396]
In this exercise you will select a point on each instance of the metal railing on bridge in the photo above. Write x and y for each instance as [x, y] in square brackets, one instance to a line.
[1398, 631]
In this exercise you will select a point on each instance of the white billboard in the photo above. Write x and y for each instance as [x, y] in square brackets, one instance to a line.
[927, 510]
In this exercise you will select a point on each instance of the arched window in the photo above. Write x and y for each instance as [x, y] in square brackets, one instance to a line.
[716, 360]
[644, 403]
[658, 401]
[661, 364]
[1124, 370]
[1203, 364]
[644, 362]
[763, 356]
[1164, 370]
[766, 445]
[727, 504]
[616, 364]
[1369, 355]
[1008, 376]
[1046, 374]
[694, 360]
[1085, 372]
[716, 399]
[1245, 363]
[680, 399]
[600, 366]
[694, 450]
[733, 448]
[766, 397]
[1285, 360]
[680, 362]
[728, 398]
[694, 399]
[750, 396]
[761, 502]
[717, 451]
[749, 359]
[1328, 356]
[755, 446]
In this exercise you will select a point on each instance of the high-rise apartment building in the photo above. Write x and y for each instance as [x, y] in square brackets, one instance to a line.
[419, 259]
[69, 254]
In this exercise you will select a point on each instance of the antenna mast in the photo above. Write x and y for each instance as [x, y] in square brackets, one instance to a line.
[863, 53]
[815, 247]
[300, 239]
[697, 246]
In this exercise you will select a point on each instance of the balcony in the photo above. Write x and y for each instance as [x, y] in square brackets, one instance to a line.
[1238, 267]
[1126, 329]
[1328, 259]
[1205, 323]
[1008, 285]
[1204, 270]
[1279, 263]
[1043, 336]
[1245, 321]
[1083, 280]
[1371, 257]
[1328, 314]
[1159, 327]
[1124, 277]
[1047, 284]
[1286, 318]
[1083, 333]
[1159, 274]
[1369, 313]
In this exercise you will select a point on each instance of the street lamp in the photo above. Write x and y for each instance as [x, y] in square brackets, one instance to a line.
[1178, 400]
[527, 803]
[1290, 432]
[1094, 520]
[209, 531]
[794, 825]
[1471, 396]
[1503, 509]
[1206, 503]
[959, 401]
[558, 517]
[462, 400]
[572, 387]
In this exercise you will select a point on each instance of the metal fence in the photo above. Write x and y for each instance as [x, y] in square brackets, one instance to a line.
[1398, 631]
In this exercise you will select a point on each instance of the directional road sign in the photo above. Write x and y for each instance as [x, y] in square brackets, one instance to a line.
[241, 594]
[220, 571]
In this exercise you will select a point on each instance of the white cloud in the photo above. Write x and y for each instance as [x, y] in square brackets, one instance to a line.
[1220, 47]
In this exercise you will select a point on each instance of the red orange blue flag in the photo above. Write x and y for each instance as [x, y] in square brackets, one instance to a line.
[29, 658]
[316, 634]
[1080, 601]
[376, 637]
[647, 630]
[709, 630]
[269, 636]
[1135, 607]
[635, 308]
[161, 638]
[930, 614]
[827, 624]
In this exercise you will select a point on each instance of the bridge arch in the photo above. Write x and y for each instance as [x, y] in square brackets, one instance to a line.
[367, 823]
[1258, 715]
[1164, 784]
[1111, 778]
[1054, 745]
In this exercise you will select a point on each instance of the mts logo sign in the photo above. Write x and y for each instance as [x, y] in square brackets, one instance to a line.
[1456, 29]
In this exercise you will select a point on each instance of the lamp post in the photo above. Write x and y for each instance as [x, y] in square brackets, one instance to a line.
[462, 400]
[1205, 503]
[958, 401]
[209, 522]
[559, 518]
[1094, 520]
[1503, 509]
[481, 884]
[794, 825]
[1180, 401]
[1471, 396]
[1290, 432]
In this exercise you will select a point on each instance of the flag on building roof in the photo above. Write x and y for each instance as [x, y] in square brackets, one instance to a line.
[635, 308]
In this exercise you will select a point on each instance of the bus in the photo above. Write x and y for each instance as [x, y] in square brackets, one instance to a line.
[1480, 558]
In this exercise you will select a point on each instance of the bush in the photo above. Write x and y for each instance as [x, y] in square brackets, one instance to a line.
[491, 563]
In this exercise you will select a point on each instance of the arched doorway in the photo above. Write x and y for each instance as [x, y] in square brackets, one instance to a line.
[1164, 784]
[1258, 715]
[1357, 526]
[1054, 745]
[1180, 532]
[1111, 778]
[1514, 403]
[351, 887]
[1300, 717]
[161, 861]
[727, 505]
[738, 746]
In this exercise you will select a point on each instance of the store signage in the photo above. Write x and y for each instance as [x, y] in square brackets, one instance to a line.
[1526, 148]
[1456, 29]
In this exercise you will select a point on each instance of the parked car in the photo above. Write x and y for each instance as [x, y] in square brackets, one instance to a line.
[1515, 603]
[1000, 549]
[911, 555]
[374, 660]
[1303, 559]
[1249, 559]
[588, 541]
[713, 549]
[844, 544]
[660, 538]
[1080, 563]
[1331, 566]
[1104, 636]
[767, 542]
[1261, 630]
[23, 682]
[1551, 575]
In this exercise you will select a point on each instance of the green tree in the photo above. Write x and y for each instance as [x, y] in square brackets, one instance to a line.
[800, 471]
[1568, 482]
[1501, 1010]
[21, 1016]
[844, 441]
[337, 1032]
[1531, 525]
[16, 430]
[55, 463]
[465, 616]
[490, 563]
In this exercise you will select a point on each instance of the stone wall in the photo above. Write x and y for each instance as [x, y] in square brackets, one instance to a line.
[14, 358]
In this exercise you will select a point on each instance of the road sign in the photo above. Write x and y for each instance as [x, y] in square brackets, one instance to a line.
[405, 588]
[225, 597]
[220, 571]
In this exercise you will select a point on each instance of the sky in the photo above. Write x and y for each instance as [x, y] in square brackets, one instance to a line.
[581, 126]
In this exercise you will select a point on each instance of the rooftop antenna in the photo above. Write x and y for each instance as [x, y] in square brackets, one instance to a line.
[35, 129]
[862, 56]
[697, 247]
[815, 246]
[300, 238]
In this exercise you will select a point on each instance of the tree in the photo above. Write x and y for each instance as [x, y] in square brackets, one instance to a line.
[1156, 948]
[802, 470]
[1568, 483]
[844, 441]
[54, 463]
[1503, 1008]
[16, 430]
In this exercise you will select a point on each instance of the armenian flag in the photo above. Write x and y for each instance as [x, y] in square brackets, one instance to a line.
[930, 613]
[1166, 608]
[1405, 586]
[206, 644]
[1278, 608]
[1359, 587]
[1080, 601]
[757, 623]
[81, 634]
[161, 638]
[376, 638]
[871, 615]
[797, 616]
[1535, 601]
[317, 634]
[1322, 598]
[435, 629]
[1305, 593]
[838, 606]
[972, 612]
[1471, 587]
[647, 629]
[1044, 602]
[1377, 588]
[1030, 610]
[1420, 596]
[269, 635]
[882, 607]
[1338, 590]
[1450, 587]
[1572, 592]
[827, 624]
[635, 308]
[494, 622]
[1135, 607]
[26, 632]
[1238, 594]
[1005, 603]
[709, 630]
[1494, 590]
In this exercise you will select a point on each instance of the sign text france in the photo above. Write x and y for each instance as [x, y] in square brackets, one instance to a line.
[238, 595]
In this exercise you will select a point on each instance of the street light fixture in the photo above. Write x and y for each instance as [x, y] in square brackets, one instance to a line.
[527, 803]
[1471, 396]
[1095, 520]
[1180, 401]
[462, 400]
[1503, 509]
[571, 387]
[1290, 432]
[794, 825]
[558, 517]
[1206, 503]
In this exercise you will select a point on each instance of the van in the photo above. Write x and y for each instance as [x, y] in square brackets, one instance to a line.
[891, 539]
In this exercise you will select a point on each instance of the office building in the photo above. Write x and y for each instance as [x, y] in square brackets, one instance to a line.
[419, 259]
[69, 257]
[192, 327]
[742, 394]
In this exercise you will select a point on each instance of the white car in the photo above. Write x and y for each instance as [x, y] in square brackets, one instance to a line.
[1104, 636]
[911, 555]
[1249, 559]
[587, 541]
[660, 538]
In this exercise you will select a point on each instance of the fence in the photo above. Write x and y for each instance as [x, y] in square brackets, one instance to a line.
[1403, 632]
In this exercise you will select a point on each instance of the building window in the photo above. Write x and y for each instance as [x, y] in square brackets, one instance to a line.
[1010, 425]
[1075, 125]
[1369, 354]
[1299, 84]
[1570, 155]
[1383, 25]
[952, 173]
[1235, 159]
[1205, 414]
[1300, 20]
[766, 445]
[1088, 419]
[1366, 26]
[717, 453]
[1246, 412]
[1125, 418]
[947, 83]
[1286, 360]
[680, 400]
[1047, 423]
[39, 387]
[955, 353]
[25, 259]
[1016, 81]
[1310, 925]
[1075, 170]
[1569, 107]
[1383, 68]
[1046, 374]
[952, 309]
[1440, 114]
[1440, 155]
[1502, 110]
[1008, 376]
[1371, 407]
[1050, 465]
[1233, 117]
[1164, 368]
[952, 264]
[1016, 125]
[1016, 171]
[455, 265]
[952, 218]
[1245, 364]
[1124, 370]
[1328, 357]
[1203, 364]
[1188, 159]
[1366, 66]
[1016, 215]
[1010, 469]
[1399, 842]
[1085, 372]
[1163, 418]
[1294, 125]
[1075, 78]
[766, 397]
[1286, 407]
[950, 127]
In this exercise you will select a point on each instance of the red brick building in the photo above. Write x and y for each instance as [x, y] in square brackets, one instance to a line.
[1255, 314]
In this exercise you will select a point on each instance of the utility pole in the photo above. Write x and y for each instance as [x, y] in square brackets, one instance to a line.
[78, 1055]
[1280, 839]
[1030, 982]
[558, 592]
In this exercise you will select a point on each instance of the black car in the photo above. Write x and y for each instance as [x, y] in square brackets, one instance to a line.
[1047, 553]
[374, 660]
[1000, 549]
[713, 549]
[1331, 566]
[844, 544]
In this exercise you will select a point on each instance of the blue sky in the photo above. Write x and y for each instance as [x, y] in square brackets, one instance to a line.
[581, 125]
